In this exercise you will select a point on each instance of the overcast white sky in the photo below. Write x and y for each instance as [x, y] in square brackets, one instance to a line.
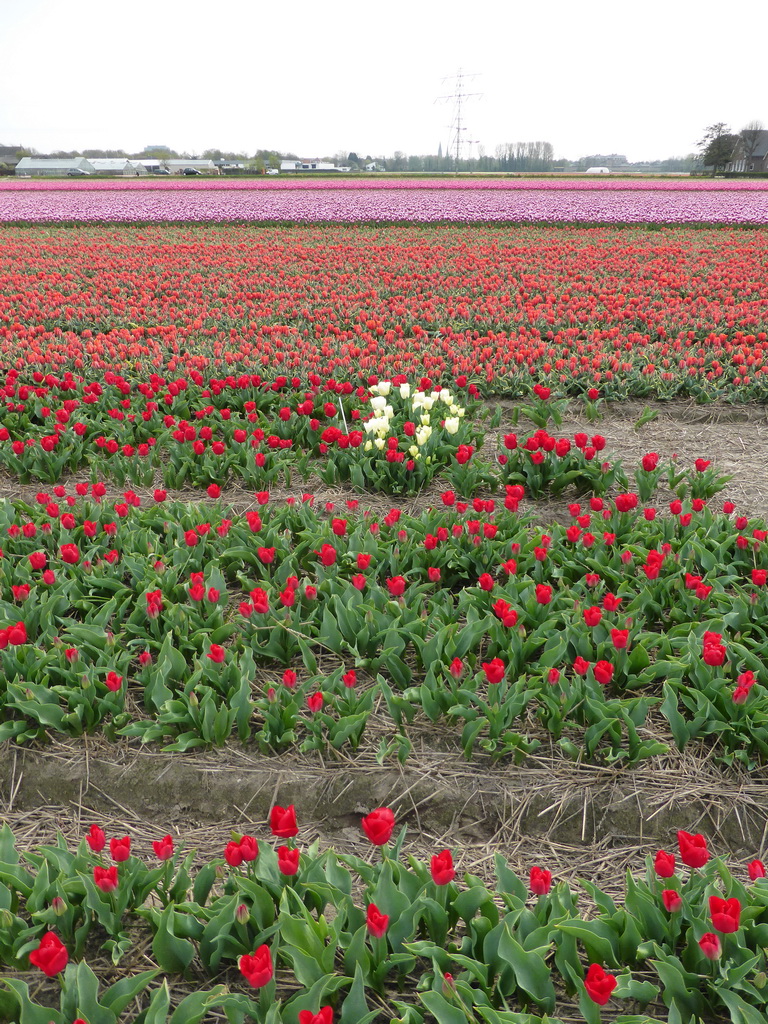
[320, 76]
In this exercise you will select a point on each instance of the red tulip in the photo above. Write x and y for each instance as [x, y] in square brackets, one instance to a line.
[323, 1016]
[69, 554]
[120, 849]
[540, 881]
[494, 670]
[664, 864]
[379, 825]
[672, 900]
[287, 860]
[693, 849]
[710, 946]
[376, 922]
[96, 839]
[249, 848]
[113, 681]
[257, 968]
[725, 914]
[756, 870]
[105, 878]
[441, 868]
[51, 955]
[603, 672]
[17, 634]
[163, 847]
[282, 821]
[599, 984]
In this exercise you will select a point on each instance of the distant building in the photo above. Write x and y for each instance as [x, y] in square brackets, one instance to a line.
[229, 166]
[51, 166]
[116, 165]
[598, 170]
[9, 156]
[310, 165]
[177, 165]
[153, 165]
[757, 159]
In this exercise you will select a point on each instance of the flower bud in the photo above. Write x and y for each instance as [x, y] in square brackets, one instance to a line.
[449, 986]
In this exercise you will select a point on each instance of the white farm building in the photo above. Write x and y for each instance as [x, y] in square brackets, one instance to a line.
[116, 165]
[309, 165]
[48, 166]
[51, 167]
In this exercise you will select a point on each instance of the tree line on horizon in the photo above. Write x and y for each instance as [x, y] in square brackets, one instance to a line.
[715, 149]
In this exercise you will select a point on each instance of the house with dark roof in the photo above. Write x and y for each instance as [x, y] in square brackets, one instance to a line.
[9, 157]
[750, 153]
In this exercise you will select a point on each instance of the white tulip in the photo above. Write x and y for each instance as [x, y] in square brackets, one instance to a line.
[413, 450]
[405, 391]
[379, 442]
[452, 425]
[445, 396]
[367, 446]
[378, 403]
[384, 387]
[425, 420]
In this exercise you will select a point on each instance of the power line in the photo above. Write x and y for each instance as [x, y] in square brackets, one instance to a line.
[458, 97]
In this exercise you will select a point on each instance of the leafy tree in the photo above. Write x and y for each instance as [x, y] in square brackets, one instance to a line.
[716, 147]
[158, 153]
[749, 136]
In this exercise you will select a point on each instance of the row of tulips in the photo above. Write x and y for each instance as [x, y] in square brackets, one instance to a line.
[378, 183]
[402, 205]
[388, 436]
[181, 624]
[572, 308]
[310, 936]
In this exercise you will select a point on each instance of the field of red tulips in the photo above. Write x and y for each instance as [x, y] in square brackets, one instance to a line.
[629, 312]
[336, 497]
